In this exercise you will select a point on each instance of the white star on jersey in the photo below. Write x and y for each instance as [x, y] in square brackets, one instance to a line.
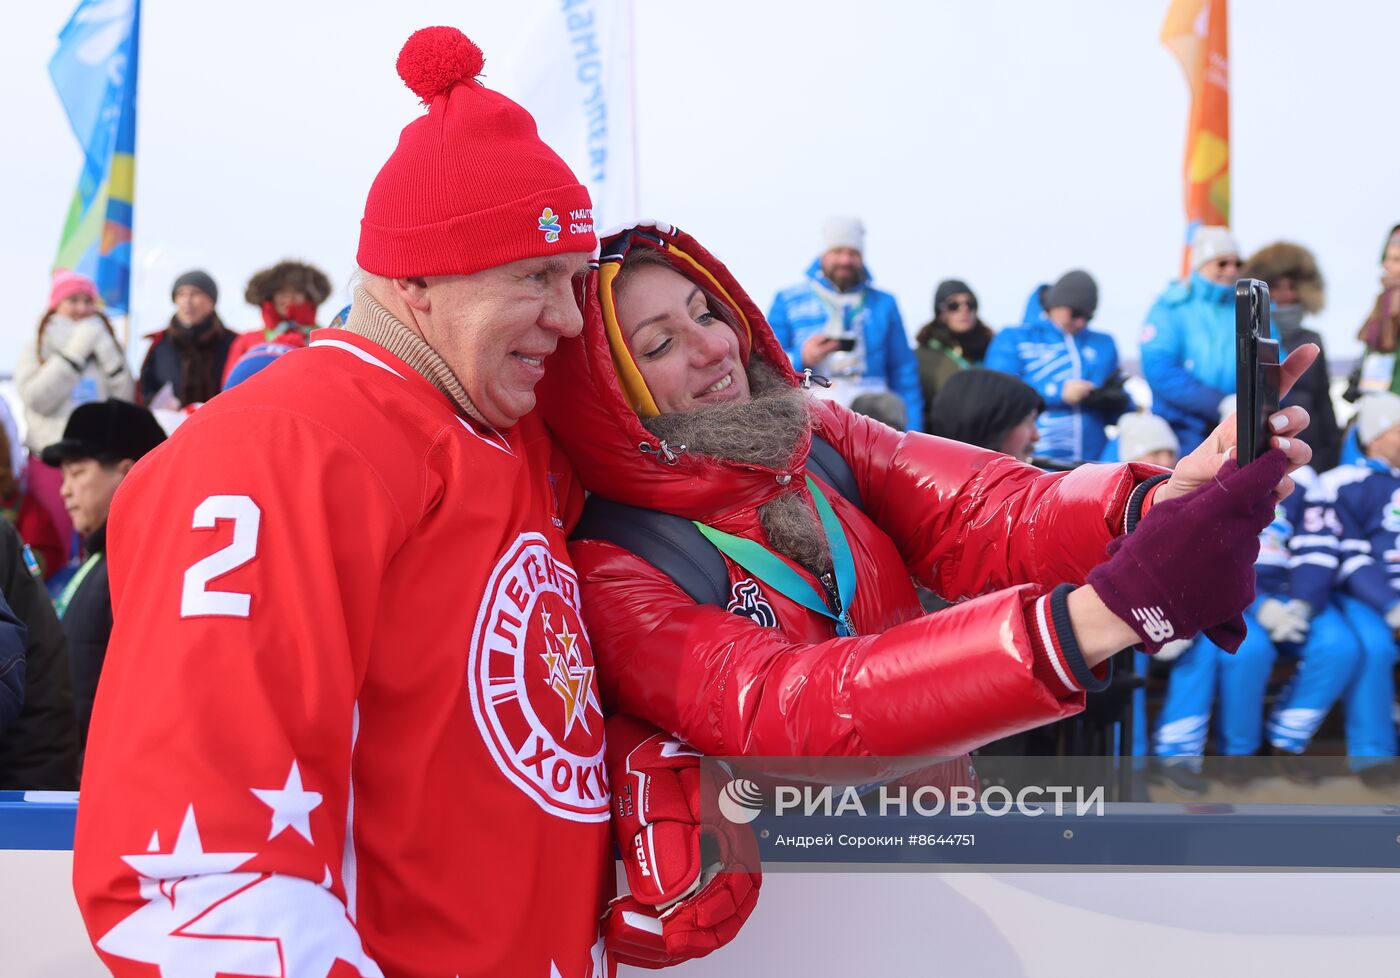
[188, 858]
[597, 962]
[291, 805]
[201, 920]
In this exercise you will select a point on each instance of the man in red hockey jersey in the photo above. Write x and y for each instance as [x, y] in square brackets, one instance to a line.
[348, 722]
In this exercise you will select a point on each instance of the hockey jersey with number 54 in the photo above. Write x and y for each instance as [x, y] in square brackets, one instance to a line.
[1353, 526]
[348, 722]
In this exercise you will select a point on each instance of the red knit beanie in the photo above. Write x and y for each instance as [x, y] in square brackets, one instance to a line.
[471, 184]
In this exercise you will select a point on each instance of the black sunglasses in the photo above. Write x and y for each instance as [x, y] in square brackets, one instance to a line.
[953, 305]
[1080, 314]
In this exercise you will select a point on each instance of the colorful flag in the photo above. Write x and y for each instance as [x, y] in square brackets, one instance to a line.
[578, 83]
[1196, 32]
[94, 73]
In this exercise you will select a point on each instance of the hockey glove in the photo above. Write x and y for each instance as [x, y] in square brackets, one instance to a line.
[693, 884]
[1189, 565]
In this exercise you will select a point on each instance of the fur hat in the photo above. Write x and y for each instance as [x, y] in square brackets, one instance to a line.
[288, 275]
[1283, 259]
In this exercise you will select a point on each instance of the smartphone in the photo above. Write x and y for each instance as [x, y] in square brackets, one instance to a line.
[1257, 372]
[845, 343]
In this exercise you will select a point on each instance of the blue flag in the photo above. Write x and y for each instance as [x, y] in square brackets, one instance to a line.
[94, 73]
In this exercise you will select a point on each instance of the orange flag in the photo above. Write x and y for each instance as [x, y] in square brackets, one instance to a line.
[1195, 31]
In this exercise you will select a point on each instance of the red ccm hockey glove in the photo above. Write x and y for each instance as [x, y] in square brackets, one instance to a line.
[1189, 565]
[693, 885]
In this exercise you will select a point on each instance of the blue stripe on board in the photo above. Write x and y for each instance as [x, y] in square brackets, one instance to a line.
[37, 819]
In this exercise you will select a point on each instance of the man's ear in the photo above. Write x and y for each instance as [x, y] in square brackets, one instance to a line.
[414, 291]
[123, 466]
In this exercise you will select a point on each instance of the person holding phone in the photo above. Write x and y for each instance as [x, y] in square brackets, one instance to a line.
[843, 329]
[349, 721]
[677, 398]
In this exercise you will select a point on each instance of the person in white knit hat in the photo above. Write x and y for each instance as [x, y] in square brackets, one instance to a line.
[1188, 342]
[1144, 437]
[1345, 555]
[843, 329]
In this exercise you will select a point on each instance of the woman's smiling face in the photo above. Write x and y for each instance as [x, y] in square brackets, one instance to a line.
[688, 356]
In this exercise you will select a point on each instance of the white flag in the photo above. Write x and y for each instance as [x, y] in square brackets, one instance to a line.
[578, 83]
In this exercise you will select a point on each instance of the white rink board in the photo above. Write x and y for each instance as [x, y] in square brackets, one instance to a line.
[951, 925]
[1065, 925]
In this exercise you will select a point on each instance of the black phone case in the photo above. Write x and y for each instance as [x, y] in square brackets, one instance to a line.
[1257, 372]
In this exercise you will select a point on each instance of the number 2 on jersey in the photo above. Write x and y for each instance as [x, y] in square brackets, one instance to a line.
[196, 599]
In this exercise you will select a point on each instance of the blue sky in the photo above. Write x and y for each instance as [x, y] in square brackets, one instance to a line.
[1002, 143]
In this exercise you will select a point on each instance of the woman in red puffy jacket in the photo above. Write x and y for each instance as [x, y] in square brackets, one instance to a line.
[677, 397]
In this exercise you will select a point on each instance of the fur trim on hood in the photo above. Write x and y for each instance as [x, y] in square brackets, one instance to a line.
[288, 275]
[1285, 260]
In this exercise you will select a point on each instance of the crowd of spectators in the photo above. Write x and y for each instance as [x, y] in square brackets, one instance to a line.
[1049, 389]
[87, 420]
[1322, 631]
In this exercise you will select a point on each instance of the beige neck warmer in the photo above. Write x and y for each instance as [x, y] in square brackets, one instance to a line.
[368, 318]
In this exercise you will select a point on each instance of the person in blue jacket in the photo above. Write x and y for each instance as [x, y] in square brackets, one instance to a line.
[1364, 570]
[1074, 368]
[839, 326]
[1188, 343]
[12, 665]
[1312, 628]
[1305, 615]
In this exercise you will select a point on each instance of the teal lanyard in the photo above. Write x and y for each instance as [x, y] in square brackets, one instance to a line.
[71, 588]
[952, 354]
[778, 574]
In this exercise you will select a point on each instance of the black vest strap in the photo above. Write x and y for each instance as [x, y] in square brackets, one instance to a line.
[826, 463]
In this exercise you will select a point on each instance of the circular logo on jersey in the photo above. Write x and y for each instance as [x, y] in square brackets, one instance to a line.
[532, 684]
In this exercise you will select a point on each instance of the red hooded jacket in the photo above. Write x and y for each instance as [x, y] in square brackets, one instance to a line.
[967, 523]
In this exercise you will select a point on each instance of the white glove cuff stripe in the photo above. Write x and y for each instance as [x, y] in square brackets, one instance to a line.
[640, 921]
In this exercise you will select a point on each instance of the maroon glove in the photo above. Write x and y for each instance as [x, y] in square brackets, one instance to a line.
[1189, 565]
[693, 884]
